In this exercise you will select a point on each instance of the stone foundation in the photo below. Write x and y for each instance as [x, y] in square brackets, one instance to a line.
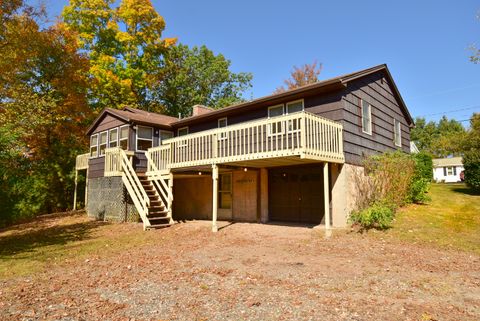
[108, 200]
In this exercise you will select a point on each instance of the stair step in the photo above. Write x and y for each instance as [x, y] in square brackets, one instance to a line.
[157, 214]
[154, 226]
[159, 218]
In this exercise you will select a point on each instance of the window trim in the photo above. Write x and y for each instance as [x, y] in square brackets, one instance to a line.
[395, 121]
[369, 117]
[145, 139]
[222, 135]
[96, 145]
[127, 138]
[99, 143]
[292, 102]
[108, 138]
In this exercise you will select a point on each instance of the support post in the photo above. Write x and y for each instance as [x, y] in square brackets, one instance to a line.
[170, 196]
[326, 193]
[75, 192]
[215, 197]
[86, 189]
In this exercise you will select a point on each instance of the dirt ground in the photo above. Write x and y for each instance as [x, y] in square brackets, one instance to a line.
[251, 272]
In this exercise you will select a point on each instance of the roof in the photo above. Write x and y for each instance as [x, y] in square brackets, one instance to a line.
[442, 162]
[340, 81]
[139, 116]
[134, 115]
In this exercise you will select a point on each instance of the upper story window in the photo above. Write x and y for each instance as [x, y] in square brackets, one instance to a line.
[295, 106]
[182, 131]
[366, 117]
[397, 128]
[102, 142]
[113, 137]
[164, 135]
[144, 138]
[94, 145]
[222, 123]
[277, 127]
[123, 138]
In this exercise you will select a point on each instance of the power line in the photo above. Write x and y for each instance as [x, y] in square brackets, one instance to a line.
[451, 111]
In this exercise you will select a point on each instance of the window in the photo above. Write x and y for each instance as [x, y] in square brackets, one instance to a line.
[164, 135]
[225, 191]
[113, 137]
[94, 145]
[397, 127]
[277, 127]
[123, 138]
[144, 138]
[222, 123]
[182, 131]
[449, 171]
[102, 143]
[366, 117]
[294, 106]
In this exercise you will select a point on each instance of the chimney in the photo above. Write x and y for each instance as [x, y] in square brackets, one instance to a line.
[200, 110]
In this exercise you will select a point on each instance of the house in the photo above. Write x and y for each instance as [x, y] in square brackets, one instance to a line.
[289, 157]
[448, 170]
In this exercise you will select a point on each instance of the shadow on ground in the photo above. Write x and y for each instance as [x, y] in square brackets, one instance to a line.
[29, 240]
[466, 190]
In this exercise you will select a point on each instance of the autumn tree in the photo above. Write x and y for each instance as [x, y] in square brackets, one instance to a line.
[301, 76]
[191, 76]
[124, 46]
[43, 113]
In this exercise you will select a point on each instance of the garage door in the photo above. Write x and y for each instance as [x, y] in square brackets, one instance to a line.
[296, 194]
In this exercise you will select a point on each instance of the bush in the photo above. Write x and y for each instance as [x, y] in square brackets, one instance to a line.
[379, 215]
[421, 179]
[471, 163]
[424, 165]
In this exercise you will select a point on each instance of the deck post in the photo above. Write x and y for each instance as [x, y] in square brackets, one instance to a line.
[75, 192]
[86, 189]
[326, 194]
[215, 196]
[170, 196]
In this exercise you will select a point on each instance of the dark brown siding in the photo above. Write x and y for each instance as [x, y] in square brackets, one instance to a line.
[385, 108]
[108, 122]
[96, 167]
[328, 106]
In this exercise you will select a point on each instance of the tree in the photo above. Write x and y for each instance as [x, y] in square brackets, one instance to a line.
[124, 46]
[43, 114]
[471, 157]
[440, 140]
[301, 76]
[191, 76]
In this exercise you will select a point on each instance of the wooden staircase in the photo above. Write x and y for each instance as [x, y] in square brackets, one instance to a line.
[158, 215]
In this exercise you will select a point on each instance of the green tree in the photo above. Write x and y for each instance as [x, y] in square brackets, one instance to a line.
[471, 157]
[196, 75]
[124, 46]
[440, 139]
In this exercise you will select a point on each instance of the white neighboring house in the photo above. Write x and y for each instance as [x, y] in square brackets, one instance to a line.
[447, 169]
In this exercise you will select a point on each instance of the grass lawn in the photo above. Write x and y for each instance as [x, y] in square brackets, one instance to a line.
[58, 239]
[451, 219]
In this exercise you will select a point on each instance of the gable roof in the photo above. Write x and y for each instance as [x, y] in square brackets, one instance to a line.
[442, 162]
[336, 82]
[133, 115]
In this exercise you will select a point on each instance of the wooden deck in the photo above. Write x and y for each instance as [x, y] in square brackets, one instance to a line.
[299, 137]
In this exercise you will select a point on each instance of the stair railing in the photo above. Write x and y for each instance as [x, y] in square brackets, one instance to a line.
[160, 183]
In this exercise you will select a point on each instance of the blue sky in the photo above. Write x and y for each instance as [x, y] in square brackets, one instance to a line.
[425, 43]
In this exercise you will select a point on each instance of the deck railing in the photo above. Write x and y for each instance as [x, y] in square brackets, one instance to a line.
[82, 161]
[300, 134]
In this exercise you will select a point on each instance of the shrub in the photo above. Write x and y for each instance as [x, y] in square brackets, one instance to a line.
[471, 163]
[424, 165]
[421, 179]
[379, 215]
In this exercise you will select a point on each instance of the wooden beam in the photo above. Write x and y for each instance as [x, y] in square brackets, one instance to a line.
[75, 192]
[326, 196]
[215, 197]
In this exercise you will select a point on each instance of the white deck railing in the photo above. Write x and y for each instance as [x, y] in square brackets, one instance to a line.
[82, 161]
[300, 134]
